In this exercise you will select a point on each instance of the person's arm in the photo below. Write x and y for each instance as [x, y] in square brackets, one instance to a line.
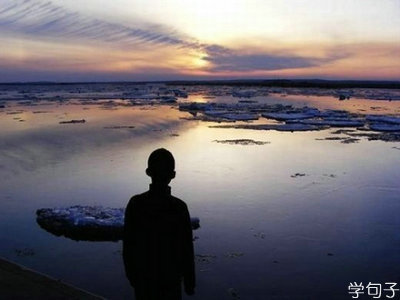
[128, 242]
[189, 278]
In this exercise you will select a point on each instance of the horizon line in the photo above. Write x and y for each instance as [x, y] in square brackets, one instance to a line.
[281, 82]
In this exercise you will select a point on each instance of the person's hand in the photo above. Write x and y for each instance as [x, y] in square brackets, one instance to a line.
[189, 291]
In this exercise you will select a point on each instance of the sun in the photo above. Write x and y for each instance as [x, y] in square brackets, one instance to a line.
[200, 61]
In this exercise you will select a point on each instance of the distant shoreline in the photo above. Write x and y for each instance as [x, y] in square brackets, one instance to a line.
[283, 83]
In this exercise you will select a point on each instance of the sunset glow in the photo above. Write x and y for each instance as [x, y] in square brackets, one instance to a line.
[175, 39]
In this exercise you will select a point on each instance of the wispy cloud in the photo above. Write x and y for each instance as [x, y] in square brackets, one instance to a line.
[50, 22]
[44, 19]
[227, 60]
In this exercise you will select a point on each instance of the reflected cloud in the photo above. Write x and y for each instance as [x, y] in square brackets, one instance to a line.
[29, 150]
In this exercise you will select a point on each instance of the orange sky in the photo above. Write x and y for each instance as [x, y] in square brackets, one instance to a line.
[173, 39]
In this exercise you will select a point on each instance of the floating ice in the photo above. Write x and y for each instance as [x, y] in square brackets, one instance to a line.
[244, 93]
[384, 127]
[239, 116]
[120, 127]
[88, 223]
[381, 136]
[180, 93]
[295, 119]
[195, 106]
[229, 114]
[215, 113]
[343, 95]
[278, 127]
[287, 116]
[334, 122]
[383, 119]
[73, 121]
[242, 142]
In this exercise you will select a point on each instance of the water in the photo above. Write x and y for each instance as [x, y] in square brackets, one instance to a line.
[268, 234]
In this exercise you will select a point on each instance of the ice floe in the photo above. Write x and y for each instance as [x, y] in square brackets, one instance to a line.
[241, 142]
[343, 140]
[343, 95]
[332, 122]
[277, 127]
[146, 91]
[239, 116]
[120, 127]
[73, 122]
[244, 93]
[180, 93]
[384, 127]
[89, 223]
[287, 116]
[241, 103]
[383, 119]
[377, 136]
[298, 175]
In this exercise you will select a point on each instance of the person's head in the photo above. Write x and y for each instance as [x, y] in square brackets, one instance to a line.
[161, 166]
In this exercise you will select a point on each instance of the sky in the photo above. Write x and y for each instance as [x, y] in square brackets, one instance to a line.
[130, 40]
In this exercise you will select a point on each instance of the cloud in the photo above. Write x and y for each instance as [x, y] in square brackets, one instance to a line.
[258, 62]
[36, 18]
[223, 59]
[49, 22]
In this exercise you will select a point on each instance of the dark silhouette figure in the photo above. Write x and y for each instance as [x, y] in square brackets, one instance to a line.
[158, 244]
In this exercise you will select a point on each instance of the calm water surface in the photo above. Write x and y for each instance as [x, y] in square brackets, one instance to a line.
[265, 233]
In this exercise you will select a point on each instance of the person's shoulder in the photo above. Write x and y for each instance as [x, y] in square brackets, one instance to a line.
[137, 199]
[179, 203]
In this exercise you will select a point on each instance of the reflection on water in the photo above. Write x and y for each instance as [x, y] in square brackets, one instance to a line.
[41, 140]
[353, 105]
[265, 231]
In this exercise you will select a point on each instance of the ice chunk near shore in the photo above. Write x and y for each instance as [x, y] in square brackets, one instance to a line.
[87, 223]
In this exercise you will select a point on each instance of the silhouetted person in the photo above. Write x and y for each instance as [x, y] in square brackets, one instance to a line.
[158, 244]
